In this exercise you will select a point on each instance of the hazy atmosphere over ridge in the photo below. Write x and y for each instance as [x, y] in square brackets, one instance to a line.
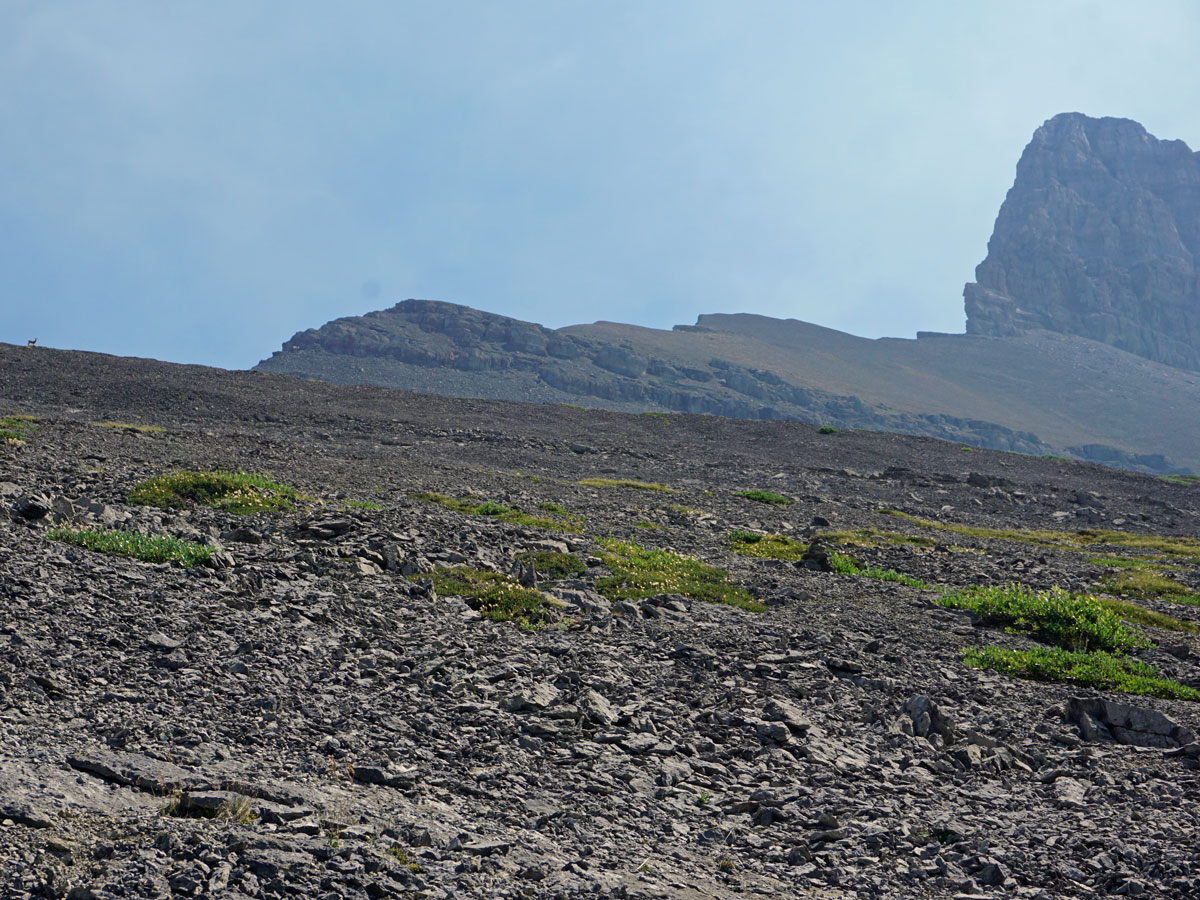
[199, 183]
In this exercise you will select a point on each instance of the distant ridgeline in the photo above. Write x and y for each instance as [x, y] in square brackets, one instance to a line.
[1083, 331]
[982, 392]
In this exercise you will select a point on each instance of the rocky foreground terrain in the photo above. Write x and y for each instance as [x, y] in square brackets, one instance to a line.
[306, 715]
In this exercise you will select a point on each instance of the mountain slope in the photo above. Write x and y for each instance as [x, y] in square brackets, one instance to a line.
[1034, 393]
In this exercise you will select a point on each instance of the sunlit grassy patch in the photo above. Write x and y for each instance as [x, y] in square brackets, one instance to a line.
[148, 548]
[242, 493]
[873, 537]
[15, 429]
[844, 565]
[624, 483]
[1089, 537]
[475, 507]
[641, 572]
[765, 546]
[550, 564]
[363, 504]
[1070, 621]
[1096, 669]
[1181, 479]
[1148, 584]
[1139, 615]
[496, 596]
[768, 497]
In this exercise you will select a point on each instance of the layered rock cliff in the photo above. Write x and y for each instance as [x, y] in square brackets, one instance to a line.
[1063, 395]
[1098, 237]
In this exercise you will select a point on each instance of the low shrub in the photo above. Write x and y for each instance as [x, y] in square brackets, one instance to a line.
[1095, 669]
[242, 493]
[148, 548]
[845, 565]
[550, 564]
[496, 596]
[641, 572]
[1070, 621]
[766, 546]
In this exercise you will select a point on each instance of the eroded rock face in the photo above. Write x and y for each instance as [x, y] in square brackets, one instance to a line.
[1098, 237]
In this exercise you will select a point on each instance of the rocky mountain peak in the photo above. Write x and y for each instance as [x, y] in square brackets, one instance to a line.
[1098, 237]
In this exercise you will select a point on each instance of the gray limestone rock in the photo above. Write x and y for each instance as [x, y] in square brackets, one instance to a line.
[1098, 237]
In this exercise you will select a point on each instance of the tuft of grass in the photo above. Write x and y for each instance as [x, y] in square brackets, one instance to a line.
[402, 857]
[15, 429]
[641, 572]
[1096, 669]
[1119, 562]
[242, 493]
[551, 565]
[1181, 547]
[649, 526]
[493, 510]
[826, 429]
[497, 597]
[625, 483]
[873, 537]
[687, 511]
[363, 504]
[1139, 615]
[238, 810]
[658, 415]
[1148, 584]
[845, 565]
[765, 546]
[1070, 621]
[128, 426]
[767, 497]
[148, 548]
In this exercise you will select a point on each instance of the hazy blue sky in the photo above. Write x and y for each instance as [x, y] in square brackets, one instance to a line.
[196, 181]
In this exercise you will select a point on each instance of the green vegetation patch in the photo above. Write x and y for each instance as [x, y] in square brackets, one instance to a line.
[148, 548]
[363, 504]
[128, 426]
[1181, 479]
[16, 428]
[1070, 621]
[765, 546]
[641, 572]
[1139, 615]
[845, 565]
[1188, 548]
[1097, 669]
[625, 483]
[658, 415]
[873, 537]
[550, 564]
[475, 507]
[242, 493]
[1147, 584]
[826, 429]
[767, 497]
[496, 596]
